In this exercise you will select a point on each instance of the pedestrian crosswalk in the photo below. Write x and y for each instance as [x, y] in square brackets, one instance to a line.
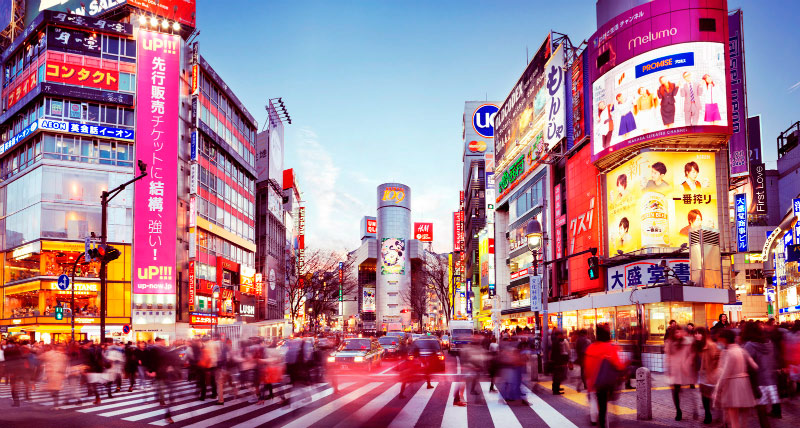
[365, 402]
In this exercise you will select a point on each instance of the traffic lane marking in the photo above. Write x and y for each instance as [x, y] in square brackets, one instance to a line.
[582, 399]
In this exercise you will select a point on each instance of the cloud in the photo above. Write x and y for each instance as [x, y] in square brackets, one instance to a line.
[332, 215]
[428, 204]
[794, 87]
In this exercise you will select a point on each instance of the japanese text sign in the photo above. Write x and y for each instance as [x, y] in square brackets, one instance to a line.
[555, 84]
[737, 147]
[82, 75]
[23, 87]
[646, 272]
[158, 93]
[84, 129]
[741, 222]
[796, 208]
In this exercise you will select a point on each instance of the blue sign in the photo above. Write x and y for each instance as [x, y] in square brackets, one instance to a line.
[796, 207]
[19, 137]
[483, 120]
[194, 145]
[741, 222]
[685, 59]
[63, 282]
[84, 129]
[535, 282]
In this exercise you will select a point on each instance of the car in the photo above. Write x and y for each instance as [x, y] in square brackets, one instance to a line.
[429, 353]
[359, 353]
[445, 341]
[391, 346]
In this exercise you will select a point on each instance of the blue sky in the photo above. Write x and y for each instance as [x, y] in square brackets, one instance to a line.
[376, 90]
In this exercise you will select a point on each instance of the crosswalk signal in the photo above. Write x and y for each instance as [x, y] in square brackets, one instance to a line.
[594, 267]
[59, 312]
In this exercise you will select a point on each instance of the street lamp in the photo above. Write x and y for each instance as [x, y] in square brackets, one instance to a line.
[214, 308]
[535, 238]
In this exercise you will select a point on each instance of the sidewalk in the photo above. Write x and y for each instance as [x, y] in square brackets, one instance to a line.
[624, 408]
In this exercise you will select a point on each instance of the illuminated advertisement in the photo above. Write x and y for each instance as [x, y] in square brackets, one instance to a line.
[369, 227]
[182, 11]
[479, 127]
[84, 129]
[669, 91]
[23, 87]
[423, 232]
[556, 106]
[82, 75]
[655, 198]
[458, 231]
[737, 147]
[393, 256]
[158, 92]
[524, 109]
[368, 300]
[580, 73]
[486, 259]
[646, 272]
[740, 203]
[583, 210]
[394, 194]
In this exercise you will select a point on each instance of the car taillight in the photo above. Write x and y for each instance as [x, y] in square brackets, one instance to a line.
[441, 356]
[410, 357]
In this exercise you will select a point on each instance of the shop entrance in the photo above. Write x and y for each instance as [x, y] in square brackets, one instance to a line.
[66, 337]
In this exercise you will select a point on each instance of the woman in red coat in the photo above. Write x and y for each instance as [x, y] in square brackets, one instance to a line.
[598, 351]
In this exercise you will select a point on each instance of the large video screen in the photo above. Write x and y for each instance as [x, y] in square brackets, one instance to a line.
[655, 198]
[667, 91]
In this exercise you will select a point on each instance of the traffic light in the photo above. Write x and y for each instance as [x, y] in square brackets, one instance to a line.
[59, 312]
[594, 267]
[104, 253]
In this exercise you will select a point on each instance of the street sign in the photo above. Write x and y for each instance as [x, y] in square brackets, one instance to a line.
[535, 282]
[126, 328]
[63, 282]
[87, 244]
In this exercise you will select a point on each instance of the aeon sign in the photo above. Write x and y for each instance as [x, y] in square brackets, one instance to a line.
[483, 120]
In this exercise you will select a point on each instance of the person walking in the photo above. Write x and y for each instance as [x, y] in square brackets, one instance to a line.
[680, 361]
[581, 344]
[603, 364]
[721, 324]
[762, 352]
[131, 365]
[559, 360]
[708, 373]
[733, 392]
[115, 356]
[95, 368]
[55, 369]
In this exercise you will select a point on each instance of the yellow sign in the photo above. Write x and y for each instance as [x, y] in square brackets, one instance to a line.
[656, 197]
[63, 246]
[84, 320]
[79, 287]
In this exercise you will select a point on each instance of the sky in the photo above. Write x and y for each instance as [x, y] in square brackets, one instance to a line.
[376, 89]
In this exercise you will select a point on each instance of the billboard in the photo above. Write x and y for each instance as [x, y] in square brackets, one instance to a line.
[262, 156]
[158, 92]
[22, 88]
[645, 272]
[757, 189]
[275, 146]
[580, 73]
[77, 7]
[458, 231]
[82, 75]
[737, 147]
[479, 127]
[556, 106]
[740, 204]
[369, 227]
[656, 197]
[182, 11]
[73, 41]
[394, 195]
[368, 300]
[583, 213]
[423, 232]
[668, 91]
[486, 259]
[393, 256]
[523, 110]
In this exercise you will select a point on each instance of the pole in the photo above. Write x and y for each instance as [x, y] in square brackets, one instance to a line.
[72, 299]
[103, 239]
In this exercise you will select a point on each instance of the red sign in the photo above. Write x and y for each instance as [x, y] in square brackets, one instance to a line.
[202, 319]
[519, 274]
[82, 75]
[578, 121]
[22, 88]
[182, 11]
[458, 231]
[423, 232]
[582, 214]
[559, 243]
[195, 79]
[192, 285]
[372, 226]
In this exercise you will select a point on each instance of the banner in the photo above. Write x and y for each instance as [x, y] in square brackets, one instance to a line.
[155, 203]
[741, 222]
[655, 198]
[368, 300]
[739, 156]
[393, 256]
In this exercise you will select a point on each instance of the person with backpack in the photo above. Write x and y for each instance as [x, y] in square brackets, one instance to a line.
[604, 370]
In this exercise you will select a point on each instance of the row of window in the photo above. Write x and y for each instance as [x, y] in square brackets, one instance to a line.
[225, 133]
[220, 217]
[225, 107]
[219, 188]
[209, 151]
[525, 199]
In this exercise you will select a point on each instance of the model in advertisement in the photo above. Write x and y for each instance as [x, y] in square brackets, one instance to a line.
[692, 93]
[627, 123]
[605, 123]
[657, 183]
[622, 187]
[711, 107]
[695, 218]
[624, 237]
[645, 110]
[691, 170]
[666, 93]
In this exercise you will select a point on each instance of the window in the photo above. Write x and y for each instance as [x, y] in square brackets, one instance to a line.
[127, 82]
[603, 58]
[708, 24]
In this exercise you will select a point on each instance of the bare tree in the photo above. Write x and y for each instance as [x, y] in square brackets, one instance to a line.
[435, 274]
[317, 285]
[416, 295]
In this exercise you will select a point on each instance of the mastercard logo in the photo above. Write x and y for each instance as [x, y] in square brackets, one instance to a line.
[477, 146]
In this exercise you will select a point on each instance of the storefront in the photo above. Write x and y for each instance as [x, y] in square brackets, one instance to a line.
[782, 253]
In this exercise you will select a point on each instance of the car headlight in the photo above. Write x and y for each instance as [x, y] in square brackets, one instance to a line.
[331, 359]
[358, 359]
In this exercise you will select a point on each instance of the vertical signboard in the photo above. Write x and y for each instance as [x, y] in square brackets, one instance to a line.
[741, 222]
[738, 143]
[535, 282]
[458, 231]
[158, 92]
[555, 84]
[579, 123]
[301, 236]
[192, 285]
[583, 210]
[796, 208]
[758, 171]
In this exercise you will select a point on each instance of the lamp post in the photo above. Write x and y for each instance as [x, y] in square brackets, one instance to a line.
[214, 308]
[535, 239]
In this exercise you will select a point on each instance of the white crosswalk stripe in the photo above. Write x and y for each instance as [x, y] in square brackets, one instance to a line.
[310, 405]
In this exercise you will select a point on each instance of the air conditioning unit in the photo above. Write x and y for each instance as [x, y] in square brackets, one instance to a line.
[704, 257]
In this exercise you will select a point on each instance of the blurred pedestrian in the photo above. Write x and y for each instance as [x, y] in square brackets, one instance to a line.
[164, 370]
[762, 352]
[115, 357]
[581, 343]
[55, 368]
[679, 357]
[604, 370]
[559, 360]
[131, 365]
[95, 368]
[733, 392]
[709, 369]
